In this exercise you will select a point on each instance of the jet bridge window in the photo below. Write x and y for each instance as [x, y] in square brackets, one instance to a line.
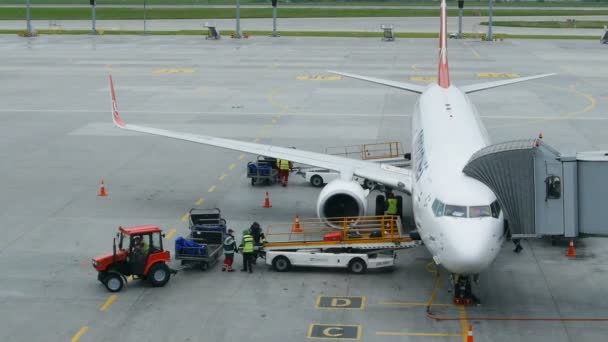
[455, 210]
[480, 211]
[554, 187]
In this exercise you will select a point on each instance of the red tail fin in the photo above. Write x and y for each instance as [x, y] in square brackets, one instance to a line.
[443, 78]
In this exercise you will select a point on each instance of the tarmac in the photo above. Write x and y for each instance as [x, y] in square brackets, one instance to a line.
[57, 143]
[400, 24]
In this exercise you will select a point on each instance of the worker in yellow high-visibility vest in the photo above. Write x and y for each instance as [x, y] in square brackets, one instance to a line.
[391, 205]
[284, 167]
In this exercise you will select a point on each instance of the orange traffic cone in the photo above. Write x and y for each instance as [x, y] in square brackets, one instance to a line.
[267, 201]
[296, 225]
[470, 334]
[571, 252]
[102, 190]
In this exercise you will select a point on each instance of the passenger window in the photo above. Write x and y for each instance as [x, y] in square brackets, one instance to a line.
[438, 207]
[554, 187]
[480, 211]
[495, 209]
[455, 210]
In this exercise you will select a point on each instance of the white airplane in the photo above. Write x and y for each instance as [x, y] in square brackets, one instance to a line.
[457, 217]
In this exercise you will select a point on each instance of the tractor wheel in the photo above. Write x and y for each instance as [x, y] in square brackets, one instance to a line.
[113, 282]
[357, 266]
[281, 264]
[316, 181]
[159, 274]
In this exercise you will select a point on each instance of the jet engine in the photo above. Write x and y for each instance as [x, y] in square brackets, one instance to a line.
[340, 198]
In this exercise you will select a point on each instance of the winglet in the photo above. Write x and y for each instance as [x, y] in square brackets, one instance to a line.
[115, 115]
[443, 78]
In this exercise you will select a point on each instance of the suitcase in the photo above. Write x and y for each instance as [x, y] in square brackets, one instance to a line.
[334, 236]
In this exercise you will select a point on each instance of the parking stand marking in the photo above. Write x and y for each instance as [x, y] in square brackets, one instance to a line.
[108, 302]
[334, 331]
[340, 302]
[200, 201]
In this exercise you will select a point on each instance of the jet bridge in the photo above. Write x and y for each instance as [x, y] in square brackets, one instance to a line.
[543, 192]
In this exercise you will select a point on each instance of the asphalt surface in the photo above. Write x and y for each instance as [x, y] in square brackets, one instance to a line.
[303, 6]
[417, 24]
[57, 143]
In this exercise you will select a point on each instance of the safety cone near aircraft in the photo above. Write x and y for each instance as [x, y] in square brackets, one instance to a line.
[267, 201]
[102, 190]
[470, 334]
[296, 225]
[571, 252]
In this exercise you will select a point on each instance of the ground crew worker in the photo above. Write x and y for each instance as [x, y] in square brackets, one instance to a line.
[229, 249]
[258, 237]
[284, 167]
[391, 205]
[248, 248]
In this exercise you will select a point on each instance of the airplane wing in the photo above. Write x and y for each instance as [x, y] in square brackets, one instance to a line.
[381, 173]
[488, 85]
[399, 85]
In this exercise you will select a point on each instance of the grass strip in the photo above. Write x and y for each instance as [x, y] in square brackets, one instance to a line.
[283, 3]
[581, 24]
[336, 34]
[228, 13]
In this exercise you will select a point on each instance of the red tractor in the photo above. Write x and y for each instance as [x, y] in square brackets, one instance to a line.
[143, 258]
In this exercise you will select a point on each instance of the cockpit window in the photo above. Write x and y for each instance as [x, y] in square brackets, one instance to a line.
[480, 211]
[438, 207]
[455, 210]
[495, 209]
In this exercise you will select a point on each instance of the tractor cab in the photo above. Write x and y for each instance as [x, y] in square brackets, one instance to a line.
[139, 254]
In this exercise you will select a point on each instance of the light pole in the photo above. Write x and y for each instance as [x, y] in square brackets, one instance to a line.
[144, 17]
[93, 31]
[274, 18]
[490, 38]
[29, 19]
[237, 34]
[460, 7]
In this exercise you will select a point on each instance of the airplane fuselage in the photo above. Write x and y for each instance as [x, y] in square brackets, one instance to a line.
[458, 217]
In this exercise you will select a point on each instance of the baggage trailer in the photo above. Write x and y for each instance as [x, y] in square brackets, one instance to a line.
[204, 244]
[355, 243]
[263, 171]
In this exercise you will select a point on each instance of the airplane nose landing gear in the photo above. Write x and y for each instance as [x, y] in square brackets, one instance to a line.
[463, 294]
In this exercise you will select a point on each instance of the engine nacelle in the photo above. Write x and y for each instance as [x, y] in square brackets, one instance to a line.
[340, 198]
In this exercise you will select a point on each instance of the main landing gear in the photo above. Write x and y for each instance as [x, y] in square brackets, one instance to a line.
[463, 294]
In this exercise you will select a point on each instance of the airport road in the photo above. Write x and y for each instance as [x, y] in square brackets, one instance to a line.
[57, 144]
[414, 24]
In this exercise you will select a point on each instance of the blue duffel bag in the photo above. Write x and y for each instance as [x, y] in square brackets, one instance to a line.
[184, 246]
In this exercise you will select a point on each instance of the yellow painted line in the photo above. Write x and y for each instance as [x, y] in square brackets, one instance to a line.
[211, 189]
[497, 75]
[256, 140]
[223, 176]
[129, 279]
[428, 79]
[274, 121]
[185, 217]
[173, 71]
[415, 67]
[232, 166]
[398, 333]
[108, 302]
[200, 201]
[79, 334]
[318, 77]
[413, 304]
[170, 233]
[464, 324]
[242, 156]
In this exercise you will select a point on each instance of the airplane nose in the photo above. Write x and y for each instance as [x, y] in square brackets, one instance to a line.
[469, 249]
